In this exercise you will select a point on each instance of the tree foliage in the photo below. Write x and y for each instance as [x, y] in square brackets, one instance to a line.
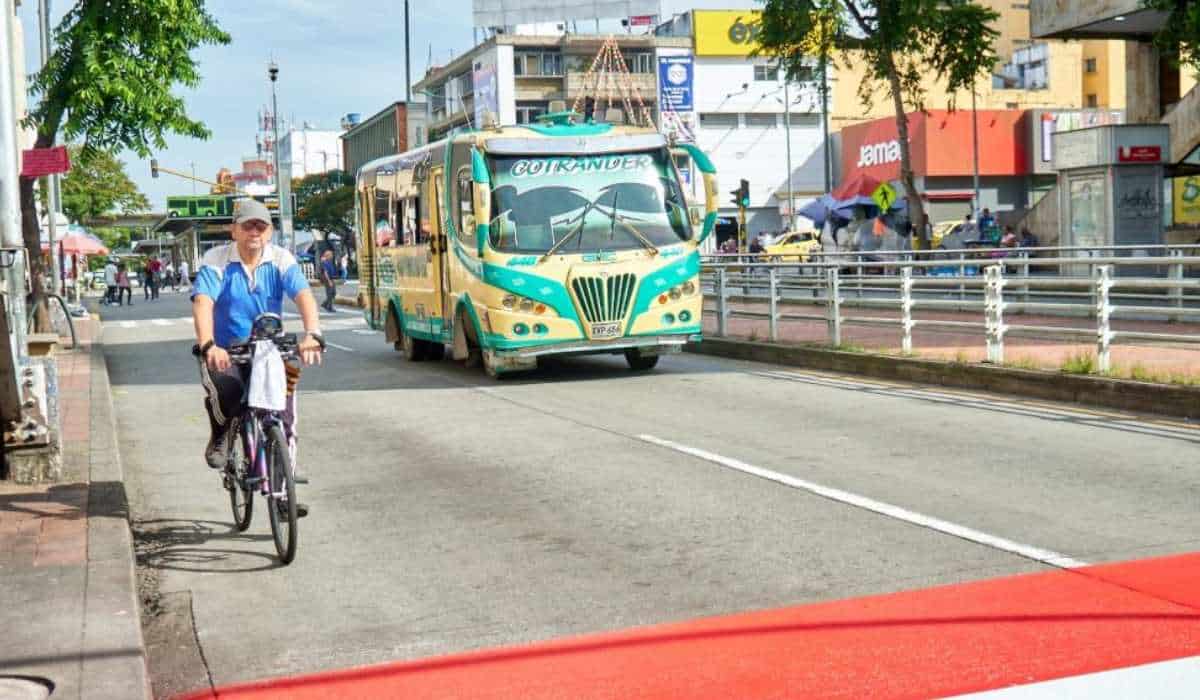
[1180, 37]
[331, 212]
[901, 43]
[99, 185]
[109, 83]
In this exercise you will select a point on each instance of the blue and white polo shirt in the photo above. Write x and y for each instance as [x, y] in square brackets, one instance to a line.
[238, 300]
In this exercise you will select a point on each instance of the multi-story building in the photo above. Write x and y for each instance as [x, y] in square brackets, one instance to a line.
[513, 78]
[394, 129]
[307, 151]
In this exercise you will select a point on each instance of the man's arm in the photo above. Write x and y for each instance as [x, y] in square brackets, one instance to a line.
[202, 318]
[310, 348]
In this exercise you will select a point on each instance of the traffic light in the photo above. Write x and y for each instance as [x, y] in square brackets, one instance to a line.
[744, 194]
[153, 167]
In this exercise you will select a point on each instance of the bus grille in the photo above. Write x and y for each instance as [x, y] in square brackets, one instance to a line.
[604, 299]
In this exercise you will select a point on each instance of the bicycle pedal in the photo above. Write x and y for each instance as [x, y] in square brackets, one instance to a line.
[302, 480]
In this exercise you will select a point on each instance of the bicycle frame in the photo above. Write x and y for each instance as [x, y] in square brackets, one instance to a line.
[255, 423]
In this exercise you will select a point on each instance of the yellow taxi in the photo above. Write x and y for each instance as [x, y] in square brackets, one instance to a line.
[796, 246]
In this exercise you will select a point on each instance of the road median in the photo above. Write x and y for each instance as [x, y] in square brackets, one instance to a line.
[1123, 394]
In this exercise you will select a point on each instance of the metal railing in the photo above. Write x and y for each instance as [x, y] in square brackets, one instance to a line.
[913, 284]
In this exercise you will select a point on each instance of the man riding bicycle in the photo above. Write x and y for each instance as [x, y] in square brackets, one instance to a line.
[235, 283]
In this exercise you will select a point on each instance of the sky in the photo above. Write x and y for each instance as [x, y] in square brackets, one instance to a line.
[333, 57]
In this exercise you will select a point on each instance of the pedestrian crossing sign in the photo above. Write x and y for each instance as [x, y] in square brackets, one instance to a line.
[884, 196]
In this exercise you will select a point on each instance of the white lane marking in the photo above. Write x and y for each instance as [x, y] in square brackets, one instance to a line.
[340, 347]
[129, 324]
[365, 332]
[1045, 556]
[1165, 680]
[161, 321]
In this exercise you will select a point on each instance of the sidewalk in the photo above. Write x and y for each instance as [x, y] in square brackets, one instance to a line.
[68, 602]
[1153, 360]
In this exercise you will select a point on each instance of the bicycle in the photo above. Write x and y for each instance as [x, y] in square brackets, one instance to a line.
[260, 455]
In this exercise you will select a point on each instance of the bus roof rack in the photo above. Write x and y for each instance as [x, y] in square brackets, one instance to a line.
[565, 118]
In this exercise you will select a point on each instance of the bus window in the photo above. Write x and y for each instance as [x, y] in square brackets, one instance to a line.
[385, 232]
[466, 207]
[439, 206]
[411, 219]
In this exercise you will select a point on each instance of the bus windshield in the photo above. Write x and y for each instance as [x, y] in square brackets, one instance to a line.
[596, 203]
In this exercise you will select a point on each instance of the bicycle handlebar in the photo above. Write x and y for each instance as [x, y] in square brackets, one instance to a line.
[243, 353]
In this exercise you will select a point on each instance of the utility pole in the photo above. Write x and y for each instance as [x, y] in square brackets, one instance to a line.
[825, 124]
[51, 180]
[407, 59]
[787, 127]
[10, 197]
[281, 193]
[975, 145]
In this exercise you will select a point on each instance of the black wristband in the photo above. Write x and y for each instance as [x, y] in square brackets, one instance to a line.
[317, 337]
[206, 347]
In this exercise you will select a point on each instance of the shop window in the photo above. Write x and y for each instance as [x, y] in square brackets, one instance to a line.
[639, 62]
[717, 120]
[535, 63]
[804, 119]
[1089, 65]
[766, 74]
[528, 112]
[761, 121]
[1092, 102]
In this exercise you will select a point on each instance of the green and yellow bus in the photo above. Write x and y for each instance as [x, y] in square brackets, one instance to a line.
[513, 243]
[207, 206]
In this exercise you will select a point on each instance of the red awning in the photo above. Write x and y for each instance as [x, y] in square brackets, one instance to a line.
[859, 185]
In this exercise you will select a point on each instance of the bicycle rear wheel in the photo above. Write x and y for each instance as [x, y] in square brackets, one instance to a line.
[240, 500]
[281, 497]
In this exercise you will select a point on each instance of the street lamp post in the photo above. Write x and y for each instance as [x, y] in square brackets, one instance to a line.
[975, 146]
[273, 73]
[51, 180]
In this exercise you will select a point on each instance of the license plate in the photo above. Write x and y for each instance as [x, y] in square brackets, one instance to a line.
[606, 330]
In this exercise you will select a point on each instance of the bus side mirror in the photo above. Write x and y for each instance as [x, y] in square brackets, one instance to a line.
[709, 174]
[695, 214]
[481, 190]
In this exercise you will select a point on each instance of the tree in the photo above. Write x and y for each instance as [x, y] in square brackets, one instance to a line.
[99, 185]
[317, 183]
[1180, 36]
[108, 85]
[330, 212]
[901, 42]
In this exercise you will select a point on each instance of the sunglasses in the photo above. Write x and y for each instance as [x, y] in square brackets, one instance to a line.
[254, 225]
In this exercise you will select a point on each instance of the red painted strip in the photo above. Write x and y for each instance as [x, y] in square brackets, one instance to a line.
[913, 644]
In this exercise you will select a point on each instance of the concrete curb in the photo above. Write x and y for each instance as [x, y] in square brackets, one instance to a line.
[114, 652]
[1121, 394]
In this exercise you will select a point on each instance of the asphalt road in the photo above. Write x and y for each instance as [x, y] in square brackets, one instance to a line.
[452, 512]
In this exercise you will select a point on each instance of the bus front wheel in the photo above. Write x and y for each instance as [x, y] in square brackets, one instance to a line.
[412, 349]
[639, 361]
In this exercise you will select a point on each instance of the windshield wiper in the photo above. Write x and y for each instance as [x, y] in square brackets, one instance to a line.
[641, 237]
[562, 241]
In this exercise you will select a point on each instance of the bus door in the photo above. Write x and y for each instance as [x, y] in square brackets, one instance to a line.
[440, 300]
[367, 268]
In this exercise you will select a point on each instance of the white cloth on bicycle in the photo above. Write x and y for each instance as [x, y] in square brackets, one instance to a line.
[268, 381]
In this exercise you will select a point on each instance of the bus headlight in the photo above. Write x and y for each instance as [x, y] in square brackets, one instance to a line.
[689, 288]
[676, 293]
[526, 305]
[509, 301]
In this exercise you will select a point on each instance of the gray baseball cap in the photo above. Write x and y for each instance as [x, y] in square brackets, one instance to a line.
[250, 210]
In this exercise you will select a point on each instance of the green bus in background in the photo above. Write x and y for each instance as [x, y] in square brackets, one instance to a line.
[211, 205]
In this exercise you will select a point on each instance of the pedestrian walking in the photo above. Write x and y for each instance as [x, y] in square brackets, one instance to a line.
[345, 265]
[144, 278]
[123, 290]
[329, 276]
[184, 277]
[169, 277]
[155, 277]
[110, 282]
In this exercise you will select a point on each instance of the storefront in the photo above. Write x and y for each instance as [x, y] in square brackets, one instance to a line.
[941, 146]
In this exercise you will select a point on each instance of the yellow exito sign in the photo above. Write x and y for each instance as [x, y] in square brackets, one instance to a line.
[1187, 199]
[726, 32]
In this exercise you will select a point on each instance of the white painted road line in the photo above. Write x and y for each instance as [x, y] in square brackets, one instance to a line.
[1164, 680]
[886, 509]
[129, 324]
[160, 321]
[340, 347]
[366, 332]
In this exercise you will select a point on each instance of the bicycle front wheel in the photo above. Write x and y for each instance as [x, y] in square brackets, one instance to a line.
[240, 501]
[281, 497]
